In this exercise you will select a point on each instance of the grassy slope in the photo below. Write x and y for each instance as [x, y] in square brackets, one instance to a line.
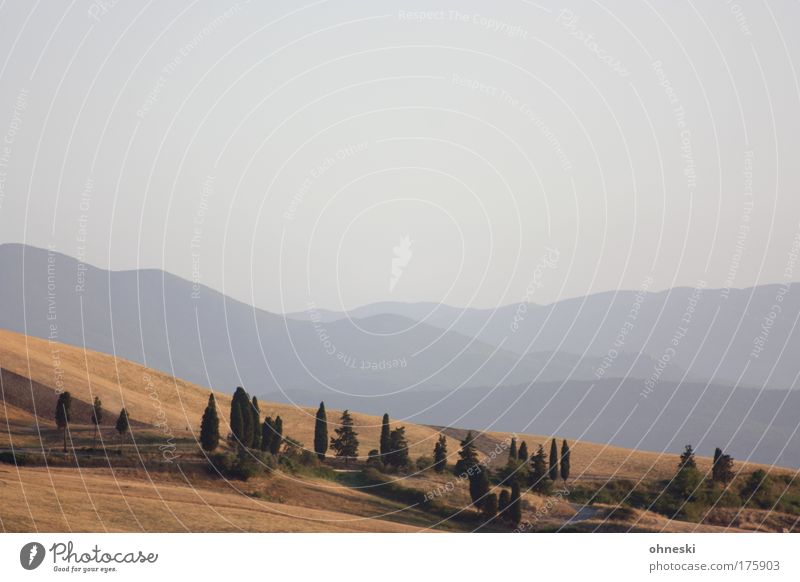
[152, 397]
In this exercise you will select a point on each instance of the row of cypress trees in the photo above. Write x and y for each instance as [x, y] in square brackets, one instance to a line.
[63, 414]
[540, 471]
[540, 463]
[247, 430]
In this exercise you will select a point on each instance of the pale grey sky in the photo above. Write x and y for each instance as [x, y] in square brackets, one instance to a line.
[283, 153]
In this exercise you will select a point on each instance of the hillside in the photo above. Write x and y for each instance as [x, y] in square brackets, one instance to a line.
[130, 484]
[151, 397]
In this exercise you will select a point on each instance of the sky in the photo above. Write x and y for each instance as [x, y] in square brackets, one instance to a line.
[335, 154]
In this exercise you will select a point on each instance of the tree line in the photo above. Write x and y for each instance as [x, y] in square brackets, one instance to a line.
[63, 415]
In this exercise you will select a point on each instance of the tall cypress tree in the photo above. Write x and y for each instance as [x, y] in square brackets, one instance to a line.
[345, 443]
[209, 426]
[468, 455]
[267, 432]
[503, 502]
[514, 511]
[123, 424]
[522, 455]
[255, 412]
[385, 438]
[564, 460]
[478, 485]
[490, 506]
[277, 437]
[512, 451]
[63, 412]
[722, 469]
[321, 432]
[97, 418]
[553, 461]
[246, 410]
[239, 416]
[440, 454]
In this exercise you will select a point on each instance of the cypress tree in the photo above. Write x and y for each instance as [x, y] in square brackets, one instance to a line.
[522, 455]
[209, 426]
[512, 451]
[398, 448]
[468, 455]
[385, 438]
[478, 485]
[514, 512]
[63, 411]
[277, 437]
[722, 469]
[267, 432]
[246, 410]
[553, 474]
[538, 478]
[122, 425]
[256, 424]
[564, 460]
[97, 418]
[345, 443]
[240, 417]
[490, 506]
[503, 503]
[321, 432]
[440, 454]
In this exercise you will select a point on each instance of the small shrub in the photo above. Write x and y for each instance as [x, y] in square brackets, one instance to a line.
[244, 466]
[424, 463]
[221, 462]
[759, 490]
[309, 459]
[12, 458]
[374, 459]
[622, 513]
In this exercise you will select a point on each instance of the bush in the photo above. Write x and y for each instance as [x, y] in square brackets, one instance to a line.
[11, 458]
[685, 486]
[759, 490]
[622, 513]
[308, 459]
[246, 465]
[374, 459]
[221, 462]
[512, 471]
[424, 463]
[721, 496]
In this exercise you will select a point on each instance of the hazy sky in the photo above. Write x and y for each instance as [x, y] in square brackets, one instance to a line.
[342, 153]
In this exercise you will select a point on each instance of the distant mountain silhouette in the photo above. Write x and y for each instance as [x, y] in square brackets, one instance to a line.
[748, 336]
[162, 321]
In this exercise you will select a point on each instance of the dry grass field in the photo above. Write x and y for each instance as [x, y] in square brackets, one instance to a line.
[154, 398]
[594, 461]
[61, 499]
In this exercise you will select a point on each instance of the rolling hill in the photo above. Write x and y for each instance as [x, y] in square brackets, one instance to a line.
[123, 490]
